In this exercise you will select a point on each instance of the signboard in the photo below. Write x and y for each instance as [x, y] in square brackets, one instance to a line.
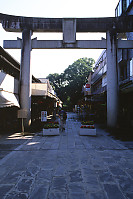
[43, 116]
[22, 113]
[87, 87]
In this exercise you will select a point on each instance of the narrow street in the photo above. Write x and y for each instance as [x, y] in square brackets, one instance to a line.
[67, 166]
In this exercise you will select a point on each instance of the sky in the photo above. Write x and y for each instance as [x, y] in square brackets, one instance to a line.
[46, 61]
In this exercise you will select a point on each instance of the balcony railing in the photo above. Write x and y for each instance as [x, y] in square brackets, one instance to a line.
[100, 90]
[99, 75]
[126, 82]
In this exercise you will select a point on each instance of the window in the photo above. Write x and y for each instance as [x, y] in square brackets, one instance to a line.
[124, 5]
[120, 7]
[131, 67]
[104, 81]
[116, 12]
[105, 69]
[123, 70]
[128, 2]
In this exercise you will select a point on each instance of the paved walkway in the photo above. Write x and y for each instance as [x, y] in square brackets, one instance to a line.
[68, 166]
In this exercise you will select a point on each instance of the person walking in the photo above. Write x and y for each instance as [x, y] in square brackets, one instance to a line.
[63, 117]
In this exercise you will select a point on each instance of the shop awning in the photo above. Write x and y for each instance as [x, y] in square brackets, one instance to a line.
[8, 99]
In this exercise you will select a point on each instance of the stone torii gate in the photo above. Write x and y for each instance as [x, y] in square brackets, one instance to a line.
[69, 26]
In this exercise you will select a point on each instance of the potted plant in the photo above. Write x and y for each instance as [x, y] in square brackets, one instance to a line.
[87, 122]
[87, 128]
[51, 128]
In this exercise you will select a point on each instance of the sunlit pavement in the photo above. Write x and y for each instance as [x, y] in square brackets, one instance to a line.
[68, 166]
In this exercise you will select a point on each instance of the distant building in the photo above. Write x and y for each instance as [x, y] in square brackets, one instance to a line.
[99, 88]
[99, 77]
[44, 98]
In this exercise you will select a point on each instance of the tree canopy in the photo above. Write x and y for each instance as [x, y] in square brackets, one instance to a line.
[68, 85]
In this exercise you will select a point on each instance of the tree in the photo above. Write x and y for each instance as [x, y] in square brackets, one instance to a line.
[68, 85]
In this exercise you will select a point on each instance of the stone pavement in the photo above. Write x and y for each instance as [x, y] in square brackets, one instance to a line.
[68, 166]
[9, 142]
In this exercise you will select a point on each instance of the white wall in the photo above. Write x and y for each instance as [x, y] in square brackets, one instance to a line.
[8, 83]
[39, 89]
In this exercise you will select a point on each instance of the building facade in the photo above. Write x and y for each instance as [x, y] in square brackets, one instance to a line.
[99, 88]
[124, 72]
[43, 96]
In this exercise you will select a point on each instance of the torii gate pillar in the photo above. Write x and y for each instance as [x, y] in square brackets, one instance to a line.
[25, 77]
[112, 82]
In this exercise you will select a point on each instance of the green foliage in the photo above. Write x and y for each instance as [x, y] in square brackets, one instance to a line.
[68, 85]
[51, 125]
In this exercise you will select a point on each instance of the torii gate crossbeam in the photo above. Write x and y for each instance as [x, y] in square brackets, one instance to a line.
[58, 44]
[13, 23]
